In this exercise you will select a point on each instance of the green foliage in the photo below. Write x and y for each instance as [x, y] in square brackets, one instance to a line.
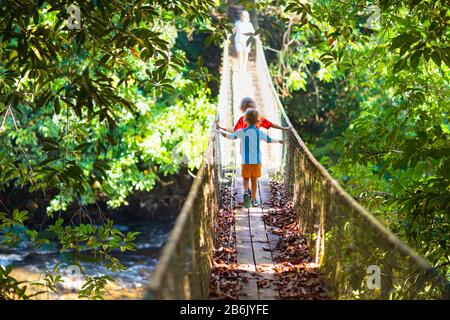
[11, 234]
[60, 138]
[94, 287]
[373, 102]
[9, 287]
[95, 114]
[92, 238]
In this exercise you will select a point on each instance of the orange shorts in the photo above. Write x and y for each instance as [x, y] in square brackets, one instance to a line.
[251, 171]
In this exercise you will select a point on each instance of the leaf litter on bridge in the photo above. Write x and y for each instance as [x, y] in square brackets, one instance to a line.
[296, 275]
[224, 274]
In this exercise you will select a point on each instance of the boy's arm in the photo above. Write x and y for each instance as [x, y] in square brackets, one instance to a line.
[268, 124]
[277, 141]
[227, 135]
[223, 128]
[276, 126]
[269, 139]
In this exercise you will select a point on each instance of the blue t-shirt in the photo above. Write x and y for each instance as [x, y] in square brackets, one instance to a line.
[250, 143]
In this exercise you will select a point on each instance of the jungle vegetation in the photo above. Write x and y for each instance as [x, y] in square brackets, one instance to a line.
[91, 115]
[367, 86]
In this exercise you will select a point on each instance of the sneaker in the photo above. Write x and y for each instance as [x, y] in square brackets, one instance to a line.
[247, 201]
[255, 203]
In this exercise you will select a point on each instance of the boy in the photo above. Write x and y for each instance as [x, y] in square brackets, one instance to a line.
[251, 153]
[247, 103]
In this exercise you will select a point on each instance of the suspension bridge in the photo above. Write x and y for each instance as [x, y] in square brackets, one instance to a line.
[345, 240]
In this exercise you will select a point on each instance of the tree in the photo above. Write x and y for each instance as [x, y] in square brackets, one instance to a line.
[372, 101]
[94, 113]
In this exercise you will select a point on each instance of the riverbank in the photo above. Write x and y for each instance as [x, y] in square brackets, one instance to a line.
[31, 265]
[67, 290]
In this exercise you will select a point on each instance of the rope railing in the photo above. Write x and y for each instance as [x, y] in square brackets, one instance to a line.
[358, 255]
[183, 271]
[184, 268]
[349, 244]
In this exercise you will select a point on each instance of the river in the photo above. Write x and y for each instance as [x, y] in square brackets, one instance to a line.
[30, 264]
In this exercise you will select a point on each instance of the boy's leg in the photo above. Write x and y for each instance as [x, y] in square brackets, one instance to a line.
[247, 200]
[254, 187]
[246, 177]
[245, 184]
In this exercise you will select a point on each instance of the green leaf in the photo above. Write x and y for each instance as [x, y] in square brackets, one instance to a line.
[57, 105]
[445, 128]
[415, 58]
[436, 58]
[36, 52]
[401, 40]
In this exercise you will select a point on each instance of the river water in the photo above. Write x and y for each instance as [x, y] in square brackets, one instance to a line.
[139, 263]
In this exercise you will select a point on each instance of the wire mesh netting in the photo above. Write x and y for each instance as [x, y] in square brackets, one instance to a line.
[184, 269]
[359, 257]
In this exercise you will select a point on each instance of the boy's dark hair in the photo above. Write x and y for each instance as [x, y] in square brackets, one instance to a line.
[246, 103]
[251, 116]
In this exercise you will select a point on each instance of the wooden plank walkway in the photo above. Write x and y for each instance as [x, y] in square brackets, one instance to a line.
[254, 252]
